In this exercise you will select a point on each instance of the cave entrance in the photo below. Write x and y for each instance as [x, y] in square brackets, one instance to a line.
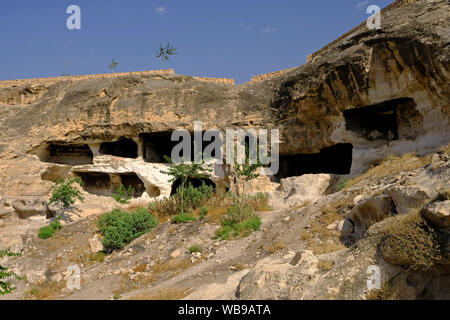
[131, 179]
[124, 148]
[388, 120]
[156, 145]
[334, 160]
[96, 183]
[195, 183]
[71, 154]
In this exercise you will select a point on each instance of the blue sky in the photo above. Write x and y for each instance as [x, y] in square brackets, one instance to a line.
[231, 39]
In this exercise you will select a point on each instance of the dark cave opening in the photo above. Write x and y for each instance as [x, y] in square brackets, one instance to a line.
[336, 159]
[131, 179]
[156, 145]
[380, 121]
[71, 154]
[124, 148]
[195, 183]
[96, 183]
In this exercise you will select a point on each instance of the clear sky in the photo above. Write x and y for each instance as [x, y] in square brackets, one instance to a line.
[230, 39]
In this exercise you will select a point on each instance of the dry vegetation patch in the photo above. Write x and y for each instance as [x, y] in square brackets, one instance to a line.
[392, 165]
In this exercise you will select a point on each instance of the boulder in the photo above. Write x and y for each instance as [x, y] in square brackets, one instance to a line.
[308, 187]
[29, 208]
[438, 213]
[95, 244]
[410, 199]
[366, 213]
[37, 275]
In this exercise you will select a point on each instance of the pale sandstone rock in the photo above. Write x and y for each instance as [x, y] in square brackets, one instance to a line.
[95, 244]
[37, 275]
[438, 213]
[411, 199]
[308, 187]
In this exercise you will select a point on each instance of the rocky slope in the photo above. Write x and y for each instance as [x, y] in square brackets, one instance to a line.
[370, 95]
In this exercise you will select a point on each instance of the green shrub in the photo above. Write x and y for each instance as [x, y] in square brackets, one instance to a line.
[6, 275]
[239, 221]
[183, 218]
[195, 248]
[340, 184]
[195, 197]
[64, 194]
[123, 195]
[239, 212]
[203, 212]
[120, 228]
[48, 231]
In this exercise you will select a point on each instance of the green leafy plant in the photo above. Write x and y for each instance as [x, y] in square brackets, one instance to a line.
[47, 231]
[246, 171]
[239, 221]
[184, 171]
[194, 248]
[164, 53]
[123, 194]
[65, 194]
[203, 212]
[194, 197]
[183, 218]
[6, 275]
[120, 228]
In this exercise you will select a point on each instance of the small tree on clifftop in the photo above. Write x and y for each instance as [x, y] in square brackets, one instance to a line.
[164, 53]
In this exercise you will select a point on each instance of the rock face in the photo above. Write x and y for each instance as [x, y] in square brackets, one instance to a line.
[370, 94]
[307, 188]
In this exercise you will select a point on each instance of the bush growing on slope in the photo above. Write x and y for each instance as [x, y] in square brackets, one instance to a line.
[240, 220]
[120, 228]
[47, 231]
[6, 275]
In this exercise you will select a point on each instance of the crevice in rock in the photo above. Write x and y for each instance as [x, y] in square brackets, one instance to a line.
[131, 179]
[64, 153]
[96, 183]
[336, 159]
[124, 148]
[389, 120]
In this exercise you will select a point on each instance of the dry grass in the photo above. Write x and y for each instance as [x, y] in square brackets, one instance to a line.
[318, 238]
[325, 265]
[170, 293]
[240, 266]
[446, 150]
[387, 292]
[140, 268]
[410, 239]
[157, 270]
[215, 214]
[47, 291]
[392, 165]
[302, 205]
[276, 246]
[171, 265]
[323, 247]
